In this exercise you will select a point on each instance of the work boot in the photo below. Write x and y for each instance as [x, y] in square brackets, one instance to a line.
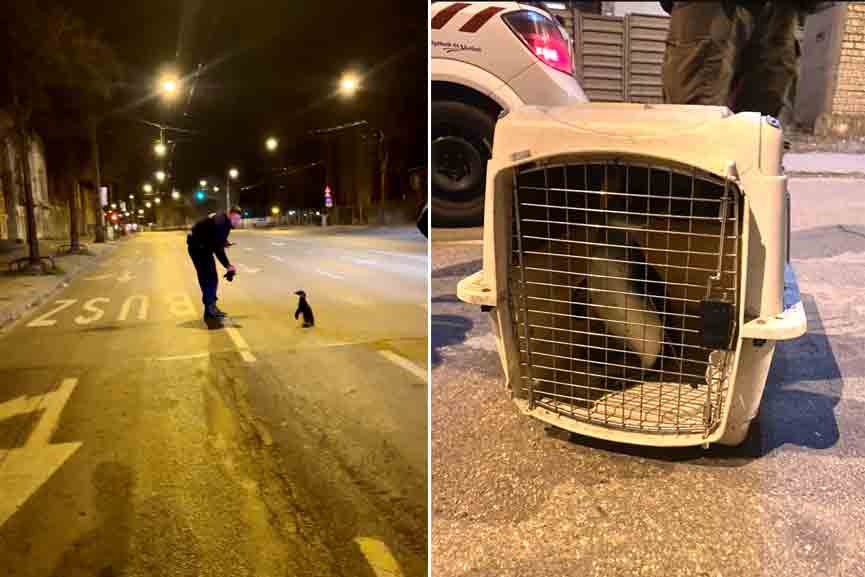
[219, 312]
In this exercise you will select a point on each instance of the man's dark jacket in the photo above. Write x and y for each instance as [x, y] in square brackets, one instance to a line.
[211, 235]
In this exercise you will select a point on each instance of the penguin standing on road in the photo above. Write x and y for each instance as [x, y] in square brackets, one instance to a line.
[304, 309]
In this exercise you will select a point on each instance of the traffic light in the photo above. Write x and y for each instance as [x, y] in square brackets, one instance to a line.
[199, 196]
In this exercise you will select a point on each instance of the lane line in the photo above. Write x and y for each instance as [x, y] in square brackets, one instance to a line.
[274, 257]
[330, 274]
[379, 557]
[241, 344]
[363, 261]
[406, 364]
[183, 357]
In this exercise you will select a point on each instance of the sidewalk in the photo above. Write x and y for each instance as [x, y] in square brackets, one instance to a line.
[20, 292]
[806, 164]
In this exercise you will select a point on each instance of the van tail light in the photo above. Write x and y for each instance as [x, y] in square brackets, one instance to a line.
[543, 38]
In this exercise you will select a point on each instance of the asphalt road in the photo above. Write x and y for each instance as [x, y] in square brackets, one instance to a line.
[135, 441]
[513, 498]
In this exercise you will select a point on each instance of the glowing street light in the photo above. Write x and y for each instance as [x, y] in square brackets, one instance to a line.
[233, 173]
[271, 143]
[202, 183]
[113, 206]
[348, 84]
[175, 195]
[168, 86]
[157, 200]
[215, 189]
[160, 149]
[147, 188]
[140, 211]
[274, 210]
[148, 204]
[160, 175]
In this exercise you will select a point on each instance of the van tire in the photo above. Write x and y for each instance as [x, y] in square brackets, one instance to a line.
[462, 140]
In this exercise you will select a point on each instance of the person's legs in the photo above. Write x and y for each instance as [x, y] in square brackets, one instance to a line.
[771, 72]
[205, 269]
[704, 42]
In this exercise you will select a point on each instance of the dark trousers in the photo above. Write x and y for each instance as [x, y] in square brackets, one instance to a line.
[205, 267]
[741, 55]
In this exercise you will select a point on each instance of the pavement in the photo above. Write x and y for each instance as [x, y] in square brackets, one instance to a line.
[511, 497]
[20, 292]
[825, 163]
[136, 441]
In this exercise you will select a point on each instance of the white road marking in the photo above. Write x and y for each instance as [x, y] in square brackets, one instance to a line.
[183, 357]
[247, 249]
[406, 364]
[144, 303]
[90, 306]
[125, 277]
[100, 277]
[277, 258]
[43, 320]
[23, 471]
[278, 243]
[52, 405]
[330, 274]
[247, 269]
[364, 262]
[180, 305]
[379, 557]
[241, 344]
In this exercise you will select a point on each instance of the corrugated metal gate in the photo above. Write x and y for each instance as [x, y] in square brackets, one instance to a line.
[619, 59]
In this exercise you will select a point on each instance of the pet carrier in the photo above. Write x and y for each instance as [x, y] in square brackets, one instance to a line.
[635, 268]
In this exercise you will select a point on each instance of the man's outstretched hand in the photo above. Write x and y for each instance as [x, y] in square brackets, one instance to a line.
[229, 273]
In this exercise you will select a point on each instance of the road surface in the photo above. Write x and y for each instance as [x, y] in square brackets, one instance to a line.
[135, 441]
[511, 498]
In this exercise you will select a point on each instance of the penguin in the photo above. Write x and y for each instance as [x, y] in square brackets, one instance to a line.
[304, 309]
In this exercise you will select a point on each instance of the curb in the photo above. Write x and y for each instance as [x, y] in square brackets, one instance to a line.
[7, 319]
[844, 175]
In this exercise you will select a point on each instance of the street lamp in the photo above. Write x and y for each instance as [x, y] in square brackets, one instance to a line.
[348, 84]
[274, 210]
[202, 183]
[146, 187]
[148, 204]
[175, 195]
[233, 173]
[271, 143]
[140, 211]
[157, 200]
[113, 206]
[215, 189]
[160, 175]
[160, 149]
[168, 86]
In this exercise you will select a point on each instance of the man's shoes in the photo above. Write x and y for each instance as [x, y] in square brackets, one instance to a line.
[219, 312]
[212, 312]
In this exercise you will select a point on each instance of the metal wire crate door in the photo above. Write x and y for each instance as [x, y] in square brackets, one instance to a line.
[613, 263]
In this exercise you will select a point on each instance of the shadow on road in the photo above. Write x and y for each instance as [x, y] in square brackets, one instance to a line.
[798, 407]
[447, 330]
[458, 270]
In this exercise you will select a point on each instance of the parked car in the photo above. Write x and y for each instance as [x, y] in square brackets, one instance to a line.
[487, 59]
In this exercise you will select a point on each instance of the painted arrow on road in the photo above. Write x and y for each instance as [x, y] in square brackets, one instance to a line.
[125, 277]
[24, 470]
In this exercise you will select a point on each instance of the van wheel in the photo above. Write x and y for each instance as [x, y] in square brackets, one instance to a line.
[462, 138]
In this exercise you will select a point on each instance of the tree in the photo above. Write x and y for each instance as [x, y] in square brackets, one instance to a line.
[49, 51]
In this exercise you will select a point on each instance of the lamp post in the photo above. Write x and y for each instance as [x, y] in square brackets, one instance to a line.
[232, 175]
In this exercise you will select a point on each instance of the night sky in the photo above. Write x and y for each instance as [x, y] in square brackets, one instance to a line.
[269, 67]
